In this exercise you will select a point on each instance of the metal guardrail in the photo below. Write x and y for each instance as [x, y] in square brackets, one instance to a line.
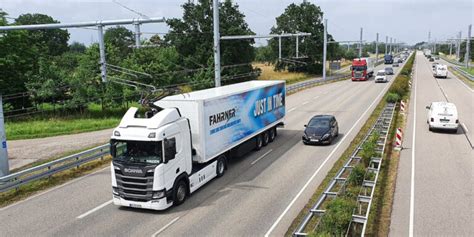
[309, 83]
[464, 73]
[17, 179]
[338, 183]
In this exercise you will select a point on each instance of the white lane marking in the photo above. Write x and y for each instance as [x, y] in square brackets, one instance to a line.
[412, 181]
[316, 97]
[94, 209]
[292, 109]
[324, 162]
[53, 189]
[261, 157]
[465, 127]
[165, 227]
[305, 102]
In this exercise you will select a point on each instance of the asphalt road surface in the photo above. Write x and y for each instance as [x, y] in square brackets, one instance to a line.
[434, 187]
[260, 194]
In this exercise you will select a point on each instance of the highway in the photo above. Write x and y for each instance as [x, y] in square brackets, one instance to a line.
[434, 187]
[260, 194]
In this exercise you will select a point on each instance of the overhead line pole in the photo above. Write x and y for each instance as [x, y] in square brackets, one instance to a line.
[217, 49]
[386, 44]
[325, 44]
[377, 47]
[468, 46]
[360, 43]
[4, 168]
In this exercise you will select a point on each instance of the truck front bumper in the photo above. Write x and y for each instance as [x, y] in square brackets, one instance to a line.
[159, 204]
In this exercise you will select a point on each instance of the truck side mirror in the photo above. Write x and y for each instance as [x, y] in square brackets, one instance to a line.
[350, 68]
[113, 149]
[428, 107]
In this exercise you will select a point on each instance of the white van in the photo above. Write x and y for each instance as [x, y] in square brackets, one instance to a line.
[442, 115]
[440, 71]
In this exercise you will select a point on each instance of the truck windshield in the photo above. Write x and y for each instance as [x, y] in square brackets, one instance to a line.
[359, 68]
[137, 152]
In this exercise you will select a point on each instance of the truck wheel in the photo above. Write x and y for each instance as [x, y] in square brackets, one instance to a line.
[266, 138]
[220, 168]
[272, 133]
[179, 193]
[259, 142]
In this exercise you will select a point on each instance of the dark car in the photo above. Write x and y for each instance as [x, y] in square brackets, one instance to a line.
[395, 65]
[400, 60]
[389, 71]
[431, 59]
[321, 129]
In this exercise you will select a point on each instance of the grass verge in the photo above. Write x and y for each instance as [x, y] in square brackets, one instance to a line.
[57, 126]
[462, 78]
[269, 74]
[34, 187]
[396, 87]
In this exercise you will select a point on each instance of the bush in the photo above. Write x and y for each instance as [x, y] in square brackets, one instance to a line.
[368, 149]
[357, 175]
[337, 218]
[392, 97]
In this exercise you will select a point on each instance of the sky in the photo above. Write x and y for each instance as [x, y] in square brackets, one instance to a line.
[408, 21]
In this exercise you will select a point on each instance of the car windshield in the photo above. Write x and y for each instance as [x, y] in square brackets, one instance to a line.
[388, 69]
[380, 73]
[137, 152]
[319, 123]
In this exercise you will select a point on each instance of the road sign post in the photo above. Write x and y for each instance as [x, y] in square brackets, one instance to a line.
[4, 168]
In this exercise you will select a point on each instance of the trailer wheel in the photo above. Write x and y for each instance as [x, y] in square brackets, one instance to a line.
[259, 142]
[272, 133]
[220, 168]
[266, 138]
[179, 193]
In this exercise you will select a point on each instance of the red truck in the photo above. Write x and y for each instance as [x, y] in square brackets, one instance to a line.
[362, 69]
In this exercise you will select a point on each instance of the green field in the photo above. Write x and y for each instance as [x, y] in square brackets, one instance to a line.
[92, 119]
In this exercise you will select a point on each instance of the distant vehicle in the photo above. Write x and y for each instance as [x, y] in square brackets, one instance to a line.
[431, 59]
[187, 139]
[388, 71]
[400, 60]
[427, 52]
[362, 69]
[381, 76]
[388, 58]
[321, 129]
[440, 71]
[436, 58]
[442, 115]
[395, 65]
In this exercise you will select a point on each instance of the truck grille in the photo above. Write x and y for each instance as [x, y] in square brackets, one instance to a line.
[358, 74]
[135, 188]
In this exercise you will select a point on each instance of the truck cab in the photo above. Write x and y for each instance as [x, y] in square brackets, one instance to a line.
[388, 58]
[359, 70]
[148, 155]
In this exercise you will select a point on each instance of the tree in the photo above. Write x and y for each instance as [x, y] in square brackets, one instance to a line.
[192, 36]
[264, 54]
[77, 47]
[50, 42]
[307, 18]
[120, 37]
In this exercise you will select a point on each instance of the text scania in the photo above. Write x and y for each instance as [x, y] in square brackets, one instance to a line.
[222, 116]
[268, 104]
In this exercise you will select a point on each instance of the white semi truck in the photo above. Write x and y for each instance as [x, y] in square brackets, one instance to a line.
[159, 160]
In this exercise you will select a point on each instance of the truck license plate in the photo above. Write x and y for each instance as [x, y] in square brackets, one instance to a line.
[136, 205]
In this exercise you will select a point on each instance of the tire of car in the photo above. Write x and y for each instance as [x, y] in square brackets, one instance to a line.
[430, 129]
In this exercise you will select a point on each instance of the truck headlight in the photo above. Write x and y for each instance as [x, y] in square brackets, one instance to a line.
[158, 194]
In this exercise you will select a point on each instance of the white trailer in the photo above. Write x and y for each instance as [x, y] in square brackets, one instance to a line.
[370, 65]
[187, 140]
